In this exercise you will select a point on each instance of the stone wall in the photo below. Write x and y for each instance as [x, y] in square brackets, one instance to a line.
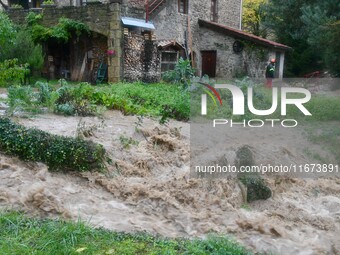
[103, 19]
[170, 24]
[251, 61]
[133, 9]
[141, 59]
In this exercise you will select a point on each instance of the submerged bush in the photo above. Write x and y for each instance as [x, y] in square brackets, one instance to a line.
[57, 152]
[257, 189]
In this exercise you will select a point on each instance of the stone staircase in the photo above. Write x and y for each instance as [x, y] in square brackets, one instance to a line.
[155, 6]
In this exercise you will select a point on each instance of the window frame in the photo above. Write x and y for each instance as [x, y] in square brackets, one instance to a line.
[168, 63]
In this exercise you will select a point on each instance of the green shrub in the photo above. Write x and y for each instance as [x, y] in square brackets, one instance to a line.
[12, 72]
[24, 98]
[158, 99]
[257, 189]
[76, 100]
[57, 152]
[27, 51]
[182, 73]
[21, 98]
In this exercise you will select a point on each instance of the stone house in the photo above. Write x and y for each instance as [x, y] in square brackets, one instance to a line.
[139, 41]
[210, 31]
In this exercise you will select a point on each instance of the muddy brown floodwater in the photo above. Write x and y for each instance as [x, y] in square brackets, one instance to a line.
[148, 188]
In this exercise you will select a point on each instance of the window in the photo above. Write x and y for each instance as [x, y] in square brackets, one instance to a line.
[214, 11]
[183, 6]
[169, 60]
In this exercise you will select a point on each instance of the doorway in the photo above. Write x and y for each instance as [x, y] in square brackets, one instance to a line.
[209, 63]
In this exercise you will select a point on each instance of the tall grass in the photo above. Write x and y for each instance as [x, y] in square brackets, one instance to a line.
[22, 235]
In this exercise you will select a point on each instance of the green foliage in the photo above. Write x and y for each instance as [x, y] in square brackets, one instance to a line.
[17, 44]
[310, 28]
[145, 99]
[21, 99]
[57, 152]
[25, 99]
[75, 100]
[26, 51]
[10, 71]
[7, 35]
[182, 73]
[322, 22]
[48, 2]
[252, 16]
[17, 6]
[46, 96]
[257, 189]
[33, 18]
[167, 101]
[22, 235]
[62, 32]
[127, 141]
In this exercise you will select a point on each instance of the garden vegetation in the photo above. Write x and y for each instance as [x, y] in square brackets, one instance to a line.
[57, 152]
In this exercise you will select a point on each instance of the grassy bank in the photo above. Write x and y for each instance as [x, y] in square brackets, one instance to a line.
[322, 108]
[22, 235]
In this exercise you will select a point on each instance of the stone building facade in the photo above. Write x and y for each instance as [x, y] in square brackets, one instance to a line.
[204, 43]
[207, 32]
[87, 52]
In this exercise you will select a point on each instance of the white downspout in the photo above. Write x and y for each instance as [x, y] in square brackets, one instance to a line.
[241, 9]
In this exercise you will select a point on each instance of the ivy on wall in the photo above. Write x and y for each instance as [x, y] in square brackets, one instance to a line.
[61, 32]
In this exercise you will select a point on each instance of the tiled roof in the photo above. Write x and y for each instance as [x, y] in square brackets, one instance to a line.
[242, 35]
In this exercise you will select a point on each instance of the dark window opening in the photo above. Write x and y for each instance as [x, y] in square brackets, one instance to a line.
[214, 11]
[183, 6]
[169, 60]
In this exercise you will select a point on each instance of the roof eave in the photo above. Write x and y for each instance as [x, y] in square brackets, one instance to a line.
[224, 30]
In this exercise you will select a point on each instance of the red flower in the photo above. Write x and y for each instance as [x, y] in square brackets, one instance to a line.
[111, 52]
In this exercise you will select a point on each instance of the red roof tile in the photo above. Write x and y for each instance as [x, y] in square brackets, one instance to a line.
[242, 35]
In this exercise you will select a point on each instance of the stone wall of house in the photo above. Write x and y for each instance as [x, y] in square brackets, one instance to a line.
[103, 19]
[170, 24]
[251, 61]
[133, 9]
[141, 59]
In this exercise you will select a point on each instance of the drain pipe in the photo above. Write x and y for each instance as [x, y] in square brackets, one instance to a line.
[146, 11]
[241, 10]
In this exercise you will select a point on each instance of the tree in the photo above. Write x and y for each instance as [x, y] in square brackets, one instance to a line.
[322, 22]
[17, 51]
[7, 35]
[283, 18]
[252, 16]
[311, 28]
